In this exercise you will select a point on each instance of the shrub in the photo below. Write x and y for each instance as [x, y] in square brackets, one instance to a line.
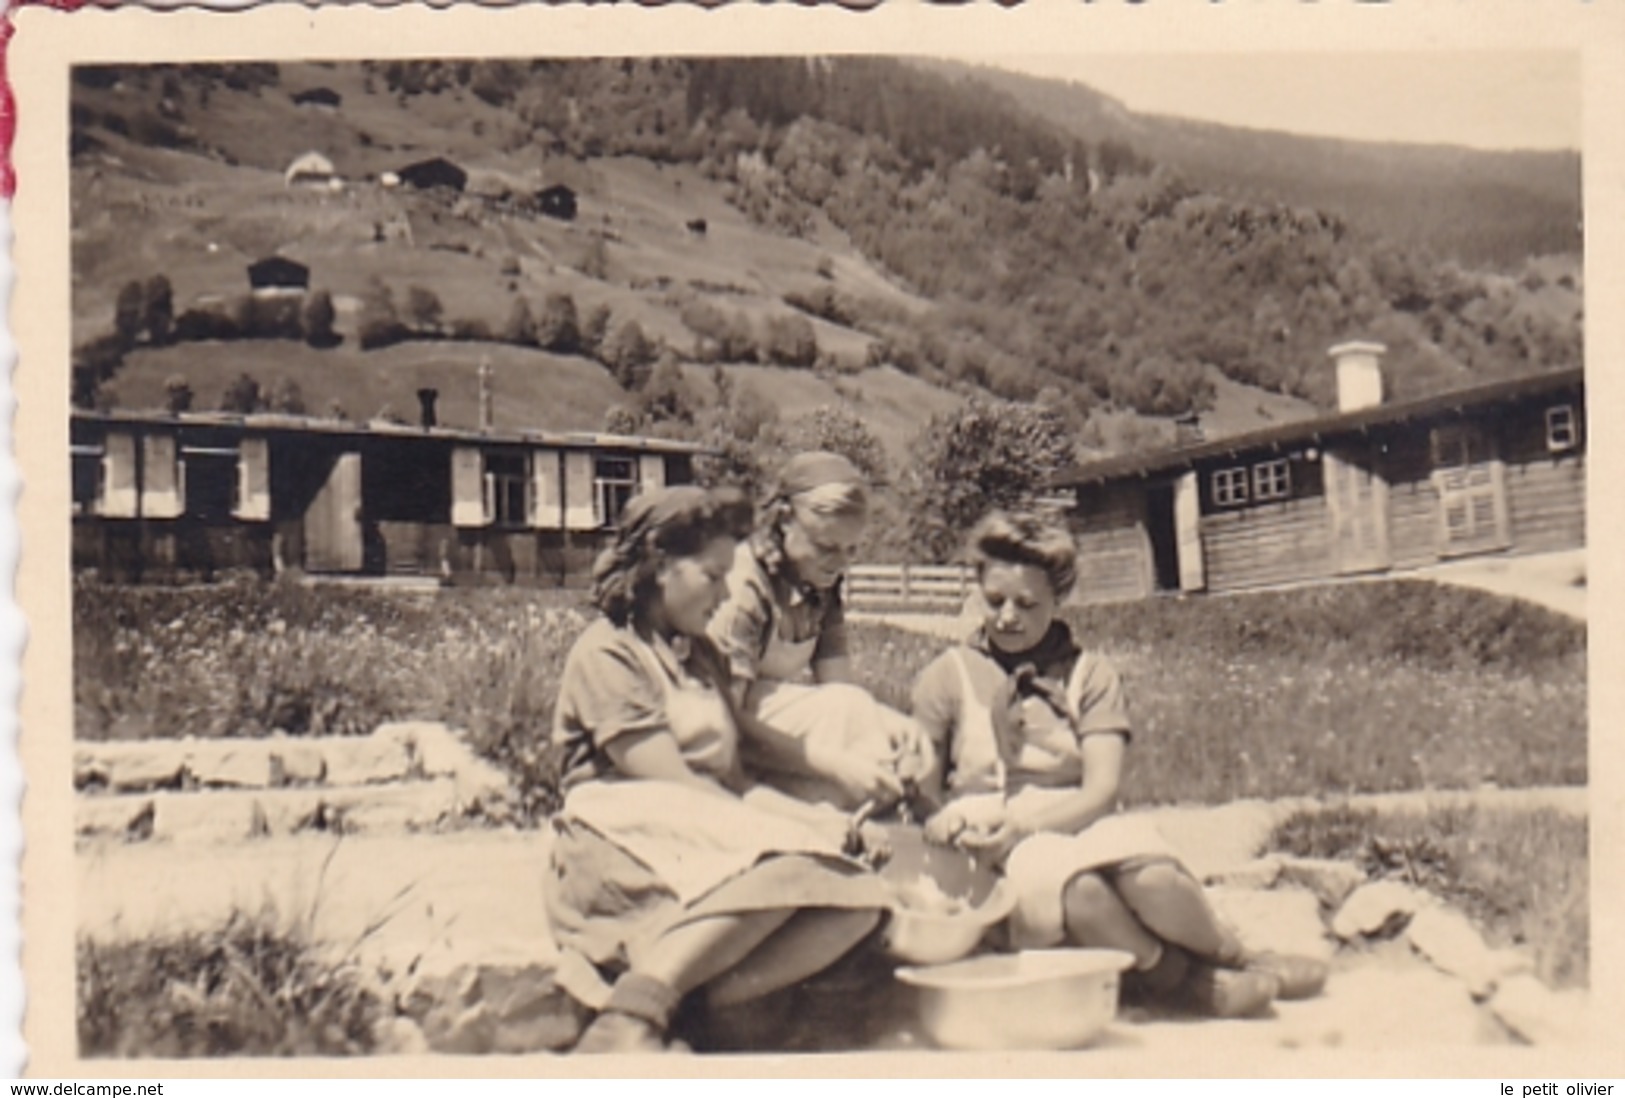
[178, 395]
[243, 396]
[129, 312]
[423, 308]
[791, 341]
[471, 330]
[594, 329]
[287, 398]
[250, 988]
[270, 316]
[207, 322]
[379, 325]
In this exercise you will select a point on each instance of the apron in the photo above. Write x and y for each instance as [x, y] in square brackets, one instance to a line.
[692, 839]
[1042, 865]
[633, 859]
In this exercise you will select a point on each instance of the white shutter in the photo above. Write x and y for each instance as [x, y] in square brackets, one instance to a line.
[651, 472]
[254, 480]
[580, 508]
[547, 490]
[161, 485]
[468, 505]
[1188, 532]
[118, 474]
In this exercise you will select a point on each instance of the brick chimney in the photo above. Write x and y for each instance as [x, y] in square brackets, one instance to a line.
[426, 399]
[1359, 375]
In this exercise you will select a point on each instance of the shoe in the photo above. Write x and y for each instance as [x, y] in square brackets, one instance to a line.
[1299, 977]
[1213, 992]
[613, 1031]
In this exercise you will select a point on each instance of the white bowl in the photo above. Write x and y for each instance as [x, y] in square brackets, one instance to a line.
[933, 938]
[1039, 999]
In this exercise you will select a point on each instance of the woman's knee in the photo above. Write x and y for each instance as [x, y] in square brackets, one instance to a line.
[1089, 902]
[1155, 878]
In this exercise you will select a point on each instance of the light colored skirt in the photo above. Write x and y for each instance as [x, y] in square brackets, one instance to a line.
[633, 860]
[1042, 865]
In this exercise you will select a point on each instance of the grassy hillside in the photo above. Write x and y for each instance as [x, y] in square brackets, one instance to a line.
[965, 276]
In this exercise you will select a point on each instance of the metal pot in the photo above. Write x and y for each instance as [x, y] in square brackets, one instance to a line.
[1039, 999]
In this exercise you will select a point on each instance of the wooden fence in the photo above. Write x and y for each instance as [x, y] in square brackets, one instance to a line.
[908, 586]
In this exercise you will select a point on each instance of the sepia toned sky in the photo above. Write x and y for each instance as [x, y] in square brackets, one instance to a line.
[1500, 100]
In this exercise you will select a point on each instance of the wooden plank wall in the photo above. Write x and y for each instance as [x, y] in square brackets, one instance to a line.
[1545, 491]
[1282, 542]
[1413, 501]
[1114, 551]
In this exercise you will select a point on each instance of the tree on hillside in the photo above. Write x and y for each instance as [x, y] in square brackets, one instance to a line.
[665, 395]
[423, 308]
[158, 309]
[378, 324]
[556, 328]
[987, 454]
[594, 328]
[129, 312]
[628, 354]
[520, 327]
[833, 427]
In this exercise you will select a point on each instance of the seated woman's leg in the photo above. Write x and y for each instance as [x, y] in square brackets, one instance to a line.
[642, 1001]
[803, 946]
[1097, 918]
[1173, 904]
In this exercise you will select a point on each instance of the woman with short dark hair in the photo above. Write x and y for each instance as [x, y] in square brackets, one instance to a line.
[671, 871]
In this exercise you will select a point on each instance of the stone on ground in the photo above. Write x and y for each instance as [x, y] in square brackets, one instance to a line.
[1450, 940]
[1377, 909]
[230, 763]
[365, 760]
[1330, 879]
[482, 1008]
[1283, 920]
[1540, 1015]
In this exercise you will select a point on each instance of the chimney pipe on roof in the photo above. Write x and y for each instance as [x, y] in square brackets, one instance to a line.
[426, 399]
[1359, 375]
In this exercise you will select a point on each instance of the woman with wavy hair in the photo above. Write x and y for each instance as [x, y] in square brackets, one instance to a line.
[671, 872]
[1032, 731]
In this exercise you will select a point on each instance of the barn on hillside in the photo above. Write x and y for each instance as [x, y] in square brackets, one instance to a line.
[278, 274]
[1375, 487]
[317, 97]
[311, 169]
[174, 498]
[436, 172]
[557, 201]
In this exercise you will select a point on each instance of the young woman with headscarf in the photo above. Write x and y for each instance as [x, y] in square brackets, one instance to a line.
[670, 871]
[808, 726]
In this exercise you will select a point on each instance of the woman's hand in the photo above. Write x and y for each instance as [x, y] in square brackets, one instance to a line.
[945, 826]
[860, 778]
[868, 843]
[993, 846]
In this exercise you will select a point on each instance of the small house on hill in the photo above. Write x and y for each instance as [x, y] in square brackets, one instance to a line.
[557, 201]
[317, 97]
[312, 169]
[278, 274]
[436, 172]
[1373, 488]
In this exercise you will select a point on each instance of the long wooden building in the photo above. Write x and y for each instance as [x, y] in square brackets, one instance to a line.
[1497, 468]
[184, 497]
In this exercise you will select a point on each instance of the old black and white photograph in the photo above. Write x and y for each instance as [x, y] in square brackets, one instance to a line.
[837, 548]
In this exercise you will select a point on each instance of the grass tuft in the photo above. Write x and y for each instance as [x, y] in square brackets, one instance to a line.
[1520, 875]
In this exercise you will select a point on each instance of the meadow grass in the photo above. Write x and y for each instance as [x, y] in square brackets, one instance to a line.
[1522, 876]
[1353, 688]
[247, 988]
